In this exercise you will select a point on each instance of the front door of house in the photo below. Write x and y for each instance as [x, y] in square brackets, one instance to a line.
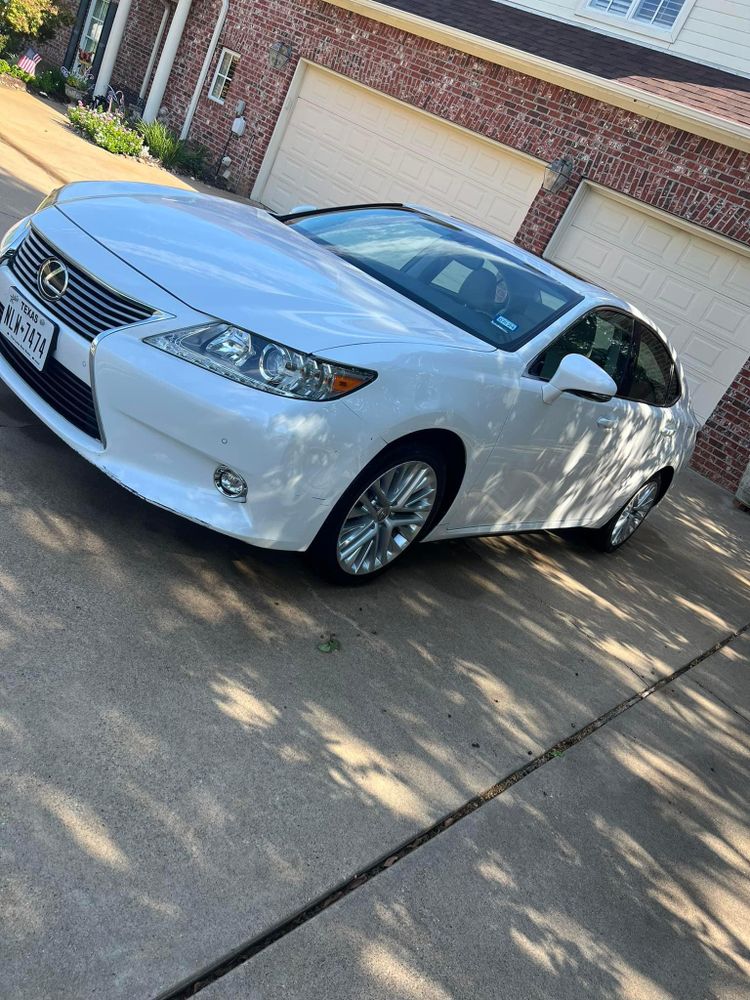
[90, 36]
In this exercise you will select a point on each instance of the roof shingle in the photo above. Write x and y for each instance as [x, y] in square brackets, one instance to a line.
[701, 87]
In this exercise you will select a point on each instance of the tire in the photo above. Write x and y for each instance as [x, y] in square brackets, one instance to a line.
[627, 520]
[359, 513]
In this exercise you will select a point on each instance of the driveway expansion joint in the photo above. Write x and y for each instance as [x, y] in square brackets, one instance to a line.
[239, 956]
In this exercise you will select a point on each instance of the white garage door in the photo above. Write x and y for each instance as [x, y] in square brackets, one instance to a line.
[345, 144]
[697, 289]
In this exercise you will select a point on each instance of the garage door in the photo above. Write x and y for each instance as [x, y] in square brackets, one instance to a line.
[344, 144]
[696, 289]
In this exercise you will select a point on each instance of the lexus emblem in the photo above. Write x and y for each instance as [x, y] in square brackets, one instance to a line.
[52, 278]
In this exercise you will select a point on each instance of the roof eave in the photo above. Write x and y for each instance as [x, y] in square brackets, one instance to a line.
[640, 102]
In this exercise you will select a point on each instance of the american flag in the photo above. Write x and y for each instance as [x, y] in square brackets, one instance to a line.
[29, 62]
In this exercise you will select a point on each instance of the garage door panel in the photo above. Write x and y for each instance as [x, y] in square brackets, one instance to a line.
[738, 281]
[345, 144]
[695, 288]
[653, 240]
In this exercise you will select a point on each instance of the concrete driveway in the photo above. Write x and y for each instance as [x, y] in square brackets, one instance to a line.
[181, 769]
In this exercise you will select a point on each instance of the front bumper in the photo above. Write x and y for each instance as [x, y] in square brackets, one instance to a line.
[166, 424]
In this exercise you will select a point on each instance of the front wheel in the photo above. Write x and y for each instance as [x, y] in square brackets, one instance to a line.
[628, 518]
[387, 508]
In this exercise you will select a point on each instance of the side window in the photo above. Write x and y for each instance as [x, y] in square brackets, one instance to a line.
[653, 379]
[605, 337]
[223, 76]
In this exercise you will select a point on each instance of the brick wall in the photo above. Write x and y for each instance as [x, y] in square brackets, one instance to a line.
[53, 51]
[693, 178]
[723, 450]
[138, 42]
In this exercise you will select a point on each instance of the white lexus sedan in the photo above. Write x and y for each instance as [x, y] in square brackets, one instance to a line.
[344, 382]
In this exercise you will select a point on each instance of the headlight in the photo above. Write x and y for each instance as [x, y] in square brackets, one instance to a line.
[263, 364]
[14, 236]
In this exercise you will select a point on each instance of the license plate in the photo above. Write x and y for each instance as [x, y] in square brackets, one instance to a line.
[27, 329]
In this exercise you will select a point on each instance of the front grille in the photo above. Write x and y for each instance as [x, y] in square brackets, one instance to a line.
[87, 306]
[57, 386]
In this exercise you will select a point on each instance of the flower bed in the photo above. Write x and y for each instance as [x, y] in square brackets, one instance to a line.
[106, 129]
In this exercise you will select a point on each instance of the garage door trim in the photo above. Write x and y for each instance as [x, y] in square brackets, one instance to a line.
[632, 202]
[290, 100]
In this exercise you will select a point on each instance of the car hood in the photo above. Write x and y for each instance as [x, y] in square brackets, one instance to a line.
[241, 265]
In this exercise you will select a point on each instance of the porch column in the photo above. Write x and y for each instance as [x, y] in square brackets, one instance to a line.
[166, 60]
[113, 47]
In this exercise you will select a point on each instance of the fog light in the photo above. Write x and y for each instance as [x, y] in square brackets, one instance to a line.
[229, 483]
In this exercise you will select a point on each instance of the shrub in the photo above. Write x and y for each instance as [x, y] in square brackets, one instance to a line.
[193, 160]
[172, 153]
[16, 71]
[51, 81]
[162, 143]
[22, 21]
[106, 129]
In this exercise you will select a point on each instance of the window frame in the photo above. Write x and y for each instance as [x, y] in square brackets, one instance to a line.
[234, 59]
[675, 369]
[634, 344]
[629, 24]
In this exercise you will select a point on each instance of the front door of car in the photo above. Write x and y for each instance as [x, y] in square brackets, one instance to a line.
[559, 463]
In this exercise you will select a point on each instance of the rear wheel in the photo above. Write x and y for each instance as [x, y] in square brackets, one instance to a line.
[387, 508]
[628, 519]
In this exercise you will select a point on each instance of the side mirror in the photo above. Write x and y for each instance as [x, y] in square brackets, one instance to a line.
[577, 373]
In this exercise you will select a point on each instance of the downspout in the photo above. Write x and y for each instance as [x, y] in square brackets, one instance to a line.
[154, 50]
[204, 69]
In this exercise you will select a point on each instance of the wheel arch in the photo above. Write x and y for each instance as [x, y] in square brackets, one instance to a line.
[452, 446]
[666, 475]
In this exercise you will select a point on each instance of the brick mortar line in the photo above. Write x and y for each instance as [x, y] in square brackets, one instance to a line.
[196, 983]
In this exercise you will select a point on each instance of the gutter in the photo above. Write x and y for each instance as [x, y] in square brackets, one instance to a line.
[639, 102]
[218, 27]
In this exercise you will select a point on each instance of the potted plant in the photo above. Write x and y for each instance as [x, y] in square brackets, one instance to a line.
[76, 86]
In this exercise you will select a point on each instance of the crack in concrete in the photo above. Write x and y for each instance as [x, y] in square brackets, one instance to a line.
[194, 984]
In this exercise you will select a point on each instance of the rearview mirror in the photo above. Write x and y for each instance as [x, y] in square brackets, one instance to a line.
[577, 373]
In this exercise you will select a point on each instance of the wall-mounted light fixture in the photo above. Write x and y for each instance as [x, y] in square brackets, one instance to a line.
[557, 174]
[279, 53]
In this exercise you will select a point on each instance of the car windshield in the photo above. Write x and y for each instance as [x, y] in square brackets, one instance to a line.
[455, 274]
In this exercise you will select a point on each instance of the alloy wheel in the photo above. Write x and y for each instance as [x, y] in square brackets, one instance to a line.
[633, 513]
[386, 518]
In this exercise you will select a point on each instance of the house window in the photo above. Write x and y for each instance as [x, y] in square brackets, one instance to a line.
[652, 13]
[223, 75]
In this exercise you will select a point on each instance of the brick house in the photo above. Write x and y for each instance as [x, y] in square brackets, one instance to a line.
[460, 106]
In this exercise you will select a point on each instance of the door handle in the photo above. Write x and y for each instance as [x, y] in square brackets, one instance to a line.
[607, 423]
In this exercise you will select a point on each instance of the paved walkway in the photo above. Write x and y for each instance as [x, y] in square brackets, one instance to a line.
[619, 869]
[39, 151]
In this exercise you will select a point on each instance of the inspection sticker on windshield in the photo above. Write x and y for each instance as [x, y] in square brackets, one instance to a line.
[506, 323]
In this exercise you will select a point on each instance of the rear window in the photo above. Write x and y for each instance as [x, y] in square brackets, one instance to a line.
[454, 274]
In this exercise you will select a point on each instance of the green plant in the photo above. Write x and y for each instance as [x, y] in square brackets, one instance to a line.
[173, 153]
[77, 82]
[51, 81]
[16, 71]
[193, 160]
[30, 20]
[106, 129]
[162, 143]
